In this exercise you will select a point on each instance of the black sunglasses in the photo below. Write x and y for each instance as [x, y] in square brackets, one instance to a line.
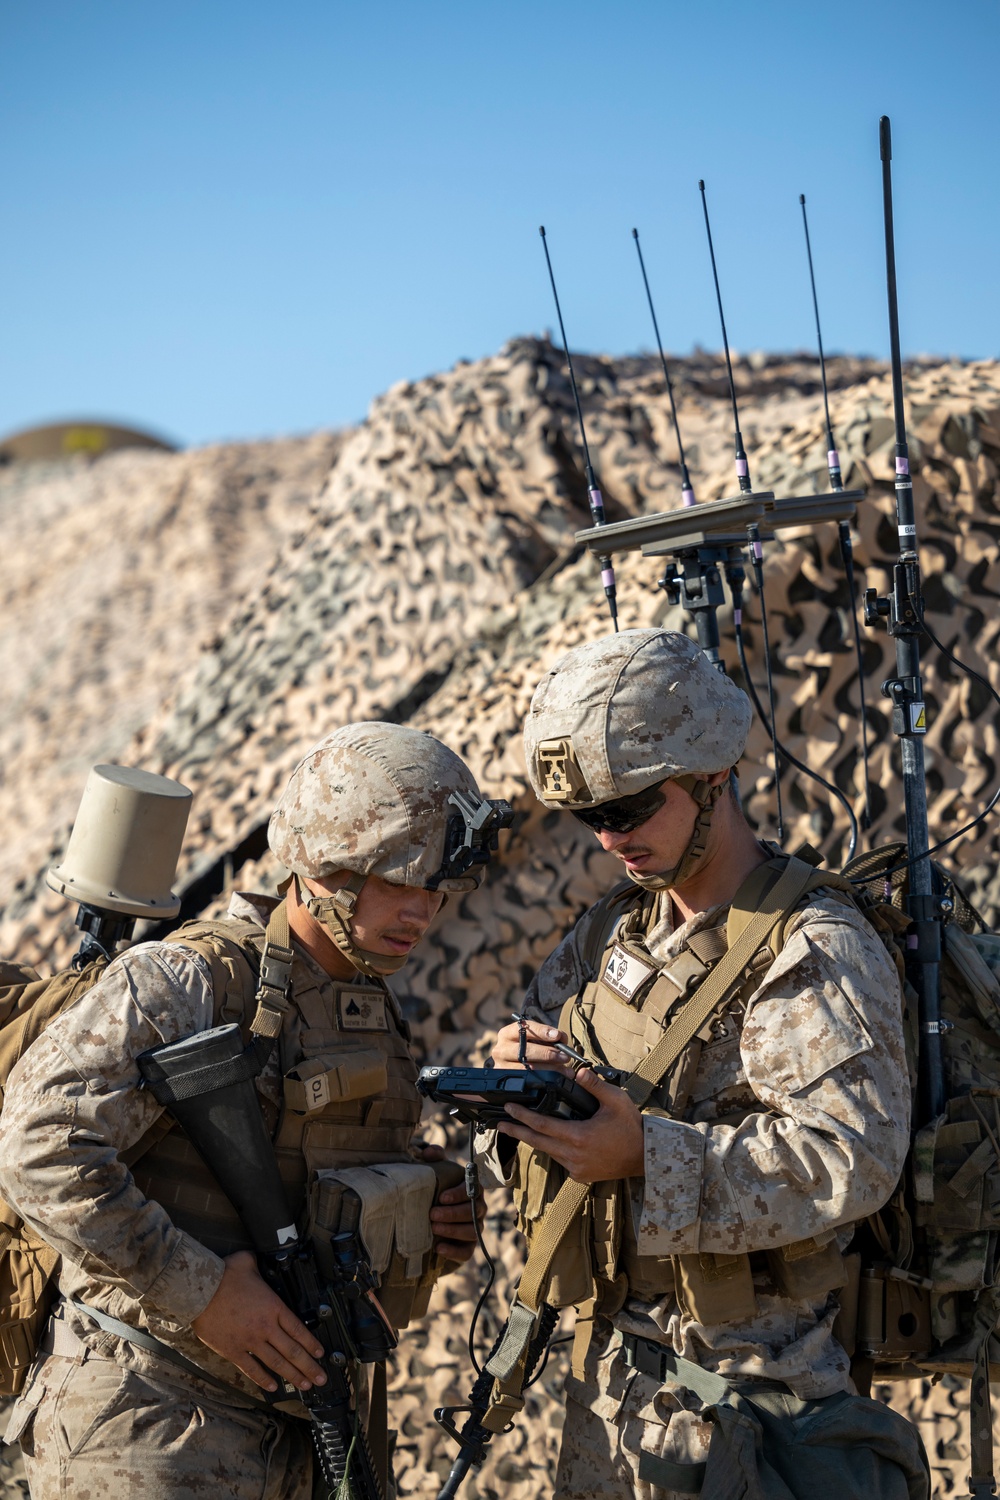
[624, 813]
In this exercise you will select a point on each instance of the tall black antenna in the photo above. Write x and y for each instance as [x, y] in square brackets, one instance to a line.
[742, 467]
[594, 495]
[904, 610]
[687, 492]
[832, 456]
[843, 528]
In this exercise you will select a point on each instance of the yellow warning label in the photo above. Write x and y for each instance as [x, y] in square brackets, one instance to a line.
[919, 713]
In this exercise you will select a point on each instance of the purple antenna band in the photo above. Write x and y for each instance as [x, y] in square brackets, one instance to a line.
[608, 577]
[742, 468]
[833, 459]
[902, 466]
[687, 497]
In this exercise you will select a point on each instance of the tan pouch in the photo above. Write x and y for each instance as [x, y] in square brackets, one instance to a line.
[845, 1325]
[27, 1291]
[349, 1074]
[715, 1288]
[806, 1270]
[395, 1200]
[571, 1279]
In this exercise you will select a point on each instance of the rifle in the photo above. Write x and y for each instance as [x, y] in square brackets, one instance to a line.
[206, 1082]
[473, 1436]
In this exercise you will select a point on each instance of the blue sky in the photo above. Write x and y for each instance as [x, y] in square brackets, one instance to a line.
[231, 220]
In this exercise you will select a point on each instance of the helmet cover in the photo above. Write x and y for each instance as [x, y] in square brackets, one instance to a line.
[387, 800]
[619, 714]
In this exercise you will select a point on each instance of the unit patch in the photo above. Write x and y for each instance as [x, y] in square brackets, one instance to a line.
[626, 973]
[361, 1010]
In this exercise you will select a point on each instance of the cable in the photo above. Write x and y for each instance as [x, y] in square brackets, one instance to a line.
[757, 562]
[806, 770]
[991, 804]
[472, 1182]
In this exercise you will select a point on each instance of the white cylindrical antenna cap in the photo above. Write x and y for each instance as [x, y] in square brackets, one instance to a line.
[123, 851]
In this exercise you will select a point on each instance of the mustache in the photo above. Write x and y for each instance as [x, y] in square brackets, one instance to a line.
[631, 851]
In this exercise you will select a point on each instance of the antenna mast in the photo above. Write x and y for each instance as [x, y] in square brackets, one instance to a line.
[687, 492]
[903, 611]
[843, 528]
[742, 467]
[594, 495]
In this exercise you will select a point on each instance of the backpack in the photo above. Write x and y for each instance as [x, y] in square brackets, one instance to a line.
[927, 1299]
[28, 1265]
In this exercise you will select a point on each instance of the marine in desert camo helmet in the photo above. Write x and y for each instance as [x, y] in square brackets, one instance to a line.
[386, 800]
[616, 718]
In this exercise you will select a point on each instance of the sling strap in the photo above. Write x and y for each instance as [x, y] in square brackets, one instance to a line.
[152, 1345]
[275, 982]
[795, 880]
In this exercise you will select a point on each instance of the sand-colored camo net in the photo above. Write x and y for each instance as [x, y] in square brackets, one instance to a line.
[430, 576]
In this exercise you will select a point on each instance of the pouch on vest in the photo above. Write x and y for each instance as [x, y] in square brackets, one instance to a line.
[715, 1288]
[352, 1073]
[537, 1183]
[807, 1269]
[394, 1225]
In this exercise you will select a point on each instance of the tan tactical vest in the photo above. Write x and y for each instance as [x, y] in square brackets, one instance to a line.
[338, 1091]
[617, 1019]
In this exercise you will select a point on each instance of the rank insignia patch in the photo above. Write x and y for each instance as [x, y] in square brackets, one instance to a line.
[361, 1010]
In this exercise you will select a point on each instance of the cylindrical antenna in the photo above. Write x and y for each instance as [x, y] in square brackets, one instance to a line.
[742, 467]
[843, 529]
[594, 495]
[687, 492]
[904, 610]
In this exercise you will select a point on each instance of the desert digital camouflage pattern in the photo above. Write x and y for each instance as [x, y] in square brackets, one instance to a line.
[396, 572]
[636, 707]
[817, 1065]
[73, 1108]
[160, 1435]
[372, 798]
[792, 1124]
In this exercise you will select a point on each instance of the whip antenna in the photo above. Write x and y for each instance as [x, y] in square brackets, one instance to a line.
[903, 611]
[594, 495]
[843, 528]
[742, 467]
[687, 493]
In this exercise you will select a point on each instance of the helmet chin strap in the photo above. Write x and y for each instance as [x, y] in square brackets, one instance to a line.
[335, 913]
[706, 797]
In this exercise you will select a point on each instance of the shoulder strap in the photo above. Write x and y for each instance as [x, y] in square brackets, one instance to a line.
[269, 985]
[775, 903]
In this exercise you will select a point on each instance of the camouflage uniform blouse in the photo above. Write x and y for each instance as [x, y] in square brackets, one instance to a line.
[820, 1064]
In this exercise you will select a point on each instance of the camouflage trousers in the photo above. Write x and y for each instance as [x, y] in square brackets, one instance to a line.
[630, 1435]
[92, 1430]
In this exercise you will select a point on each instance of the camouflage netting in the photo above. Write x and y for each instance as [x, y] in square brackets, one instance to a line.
[431, 577]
